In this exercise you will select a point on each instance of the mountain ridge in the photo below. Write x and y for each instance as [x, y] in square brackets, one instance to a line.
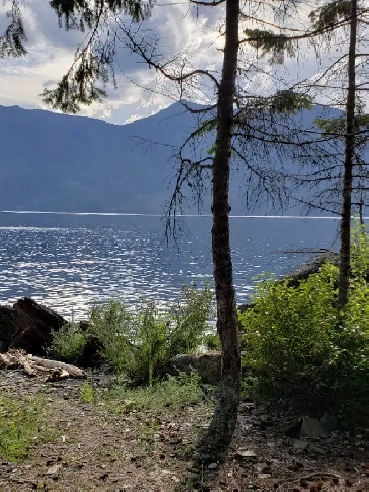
[55, 162]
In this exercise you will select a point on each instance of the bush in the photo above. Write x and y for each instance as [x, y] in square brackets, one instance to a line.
[298, 347]
[68, 343]
[139, 342]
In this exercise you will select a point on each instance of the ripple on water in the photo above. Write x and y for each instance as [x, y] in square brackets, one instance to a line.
[71, 267]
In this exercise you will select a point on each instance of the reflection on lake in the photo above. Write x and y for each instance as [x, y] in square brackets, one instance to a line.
[70, 261]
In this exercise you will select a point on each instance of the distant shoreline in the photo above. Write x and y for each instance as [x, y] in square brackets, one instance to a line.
[123, 214]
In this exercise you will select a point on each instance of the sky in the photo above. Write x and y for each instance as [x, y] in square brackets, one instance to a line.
[192, 32]
[51, 52]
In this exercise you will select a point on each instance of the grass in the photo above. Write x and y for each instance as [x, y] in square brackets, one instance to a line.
[23, 423]
[171, 394]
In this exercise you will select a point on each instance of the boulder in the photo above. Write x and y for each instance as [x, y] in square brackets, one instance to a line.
[7, 327]
[28, 326]
[208, 366]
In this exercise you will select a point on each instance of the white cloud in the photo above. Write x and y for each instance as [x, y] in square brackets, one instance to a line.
[51, 53]
[141, 92]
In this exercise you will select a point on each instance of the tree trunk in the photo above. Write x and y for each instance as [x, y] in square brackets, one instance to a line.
[344, 274]
[221, 429]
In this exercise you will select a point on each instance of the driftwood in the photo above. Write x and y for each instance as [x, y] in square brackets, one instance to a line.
[34, 366]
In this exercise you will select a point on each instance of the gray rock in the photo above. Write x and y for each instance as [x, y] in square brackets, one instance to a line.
[300, 445]
[311, 428]
[208, 366]
[317, 449]
[246, 453]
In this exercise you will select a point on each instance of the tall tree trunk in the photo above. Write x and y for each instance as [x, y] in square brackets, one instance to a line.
[344, 274]
[224, 419]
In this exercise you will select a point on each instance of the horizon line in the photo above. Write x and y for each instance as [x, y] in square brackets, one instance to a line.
[44, 212]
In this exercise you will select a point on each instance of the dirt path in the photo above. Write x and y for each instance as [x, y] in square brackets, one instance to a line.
[97, 447]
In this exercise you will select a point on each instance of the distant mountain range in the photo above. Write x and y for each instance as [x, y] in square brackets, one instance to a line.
[57, 162]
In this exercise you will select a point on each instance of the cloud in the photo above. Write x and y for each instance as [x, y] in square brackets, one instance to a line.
[139, 92]
[192, 34]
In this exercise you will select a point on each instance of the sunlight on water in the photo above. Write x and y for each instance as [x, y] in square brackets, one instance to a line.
[70, 261]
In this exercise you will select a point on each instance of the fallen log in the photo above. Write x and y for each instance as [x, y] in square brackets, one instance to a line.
[73, 371]
[36, 366]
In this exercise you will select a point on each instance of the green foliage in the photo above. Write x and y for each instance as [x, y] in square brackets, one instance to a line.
[331, 14]
[288, 101]
[337, 127]
[296, 346]
[13, 38]
[87, 392]
[212, 341]
[139, 342]
[269, 43]
[93, 66]
[68, 343]
[171, 393]
[22, 425]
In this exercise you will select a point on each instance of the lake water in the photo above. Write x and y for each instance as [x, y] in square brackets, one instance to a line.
[69, 261]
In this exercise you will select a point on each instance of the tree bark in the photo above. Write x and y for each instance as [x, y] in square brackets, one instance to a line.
[344, 273]
[223, 423]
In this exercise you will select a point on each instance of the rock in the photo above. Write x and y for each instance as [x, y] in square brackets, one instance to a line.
[330, 422]
[317, 449]
[7, 327]
[53, 470]
[34, 324]
[264, 476]
[246, 453]
[208, 366]
[213, 466]
[300, 445]
[311, 428]
[310, 268]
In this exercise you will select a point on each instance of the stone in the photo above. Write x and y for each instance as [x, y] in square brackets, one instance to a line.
[207, 365]
[246, 453]
[53, 470]
[33, 324]
[311, 428]
[213, 466]
[330, 422]
[317, 449]
[300, 445]
[264, 476]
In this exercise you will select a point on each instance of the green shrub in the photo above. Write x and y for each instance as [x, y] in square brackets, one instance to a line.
[212, 341]
[68, 343]
[297, 346]
[139, 342]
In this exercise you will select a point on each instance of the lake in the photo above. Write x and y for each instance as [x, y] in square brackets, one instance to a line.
[69, 261]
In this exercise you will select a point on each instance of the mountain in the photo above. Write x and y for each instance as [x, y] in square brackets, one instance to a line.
[57, 162]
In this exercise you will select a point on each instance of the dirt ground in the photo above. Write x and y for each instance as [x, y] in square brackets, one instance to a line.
[97, 449]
